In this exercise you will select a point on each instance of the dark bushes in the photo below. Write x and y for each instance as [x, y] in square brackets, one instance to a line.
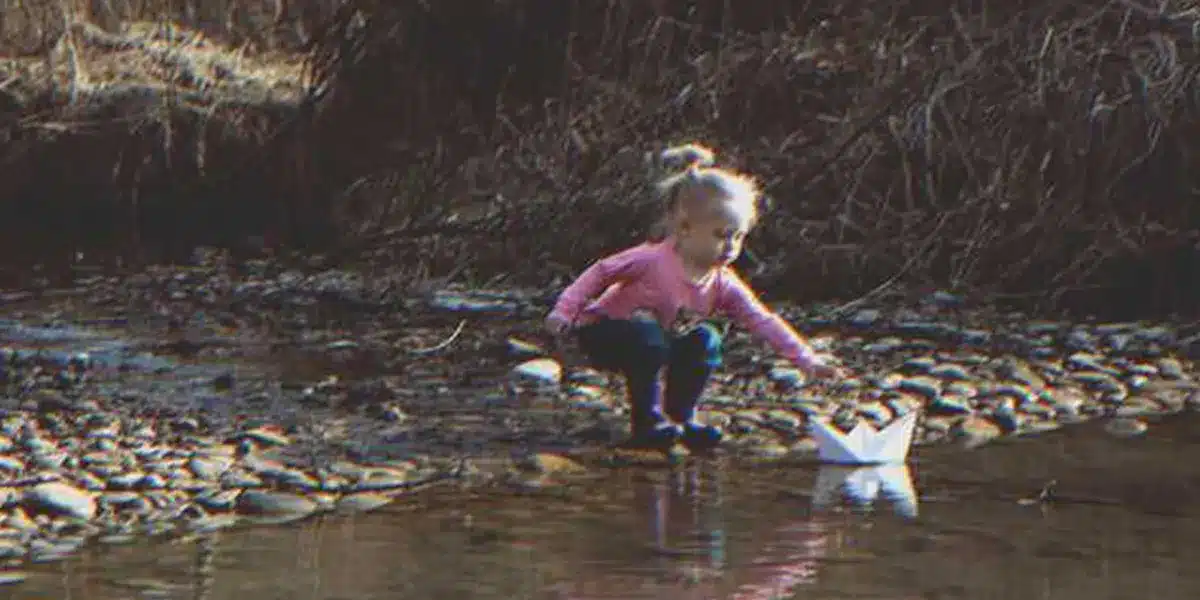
[1017, 148]
[1037, 150]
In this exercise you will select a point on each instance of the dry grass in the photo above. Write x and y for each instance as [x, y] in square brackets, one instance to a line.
[156, 59]
[145, 127]
[1013, 148]
[1019, 148]
[31, 27]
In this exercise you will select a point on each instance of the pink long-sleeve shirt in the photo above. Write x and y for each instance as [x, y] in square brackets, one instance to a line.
[651, 277]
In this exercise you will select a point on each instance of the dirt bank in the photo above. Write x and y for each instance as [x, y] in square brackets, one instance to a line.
[1033, 151]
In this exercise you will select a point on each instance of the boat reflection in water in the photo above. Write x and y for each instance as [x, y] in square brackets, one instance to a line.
[864, 485]
[687, 553]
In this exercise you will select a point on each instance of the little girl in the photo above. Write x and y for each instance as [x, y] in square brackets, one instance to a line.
[638, 312]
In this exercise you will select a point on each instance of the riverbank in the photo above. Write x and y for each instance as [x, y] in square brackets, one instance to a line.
[197, 398]
[1040, 517]
[172, 401]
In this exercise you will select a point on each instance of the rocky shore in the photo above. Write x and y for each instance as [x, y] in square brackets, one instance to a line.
[220, 394]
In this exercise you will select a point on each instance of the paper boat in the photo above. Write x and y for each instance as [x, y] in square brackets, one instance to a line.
[865, 445]
[862, 485]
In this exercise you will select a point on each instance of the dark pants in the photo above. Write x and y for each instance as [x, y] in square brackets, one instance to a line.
[640, 349]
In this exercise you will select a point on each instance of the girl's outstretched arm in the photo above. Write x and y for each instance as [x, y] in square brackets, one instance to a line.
[622, 266]
[736, 299]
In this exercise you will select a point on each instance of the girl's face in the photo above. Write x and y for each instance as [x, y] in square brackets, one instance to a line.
[713, 237]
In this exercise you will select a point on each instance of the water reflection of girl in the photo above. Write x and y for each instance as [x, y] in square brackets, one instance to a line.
[688, 550]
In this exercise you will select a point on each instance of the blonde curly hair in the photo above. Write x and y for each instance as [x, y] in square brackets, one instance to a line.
[699, 185]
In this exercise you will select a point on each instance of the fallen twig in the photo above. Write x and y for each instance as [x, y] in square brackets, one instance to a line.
[444, 344]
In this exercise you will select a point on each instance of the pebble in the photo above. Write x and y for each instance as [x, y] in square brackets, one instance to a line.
[783, 421]
[1192, 401]
[548, 463]
[519, 347]
[127, 476]
[1171, 368]
[883, 346]
[878, 414]
[805, 448]
[790, 377]
[475, 302]
[724, 401]
[1126, 427]
[11, 548]
[264, 436]
[865, 318]
[928, 387]
[540, 370]
[920, 364]
[9, 577]
[586, 392]
[950, 405]
[362, 502]
[63, 499]
[210, 467]
[1138, 407]
[975, 431]
[950, 372]
[381, 480]
[589, 377]
[275, 504]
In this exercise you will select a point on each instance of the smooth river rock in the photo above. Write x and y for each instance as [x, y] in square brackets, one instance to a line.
[62, 499]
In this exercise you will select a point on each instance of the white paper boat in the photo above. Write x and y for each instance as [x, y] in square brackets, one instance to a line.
[865, 445]
[862, 485]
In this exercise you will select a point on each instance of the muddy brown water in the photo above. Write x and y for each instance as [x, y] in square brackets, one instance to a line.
[1120, 521]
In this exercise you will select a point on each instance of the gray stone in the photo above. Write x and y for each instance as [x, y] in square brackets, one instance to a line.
[61, 498]
[540, 370]
[275, 504]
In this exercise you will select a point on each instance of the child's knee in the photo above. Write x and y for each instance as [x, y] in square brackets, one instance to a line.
[648, 341]
[636, 344]
[703, 342]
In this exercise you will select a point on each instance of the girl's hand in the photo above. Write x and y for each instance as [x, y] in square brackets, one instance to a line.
[557, 326]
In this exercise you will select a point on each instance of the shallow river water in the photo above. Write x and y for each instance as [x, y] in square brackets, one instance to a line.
[1120, 520]
[1075, 514]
